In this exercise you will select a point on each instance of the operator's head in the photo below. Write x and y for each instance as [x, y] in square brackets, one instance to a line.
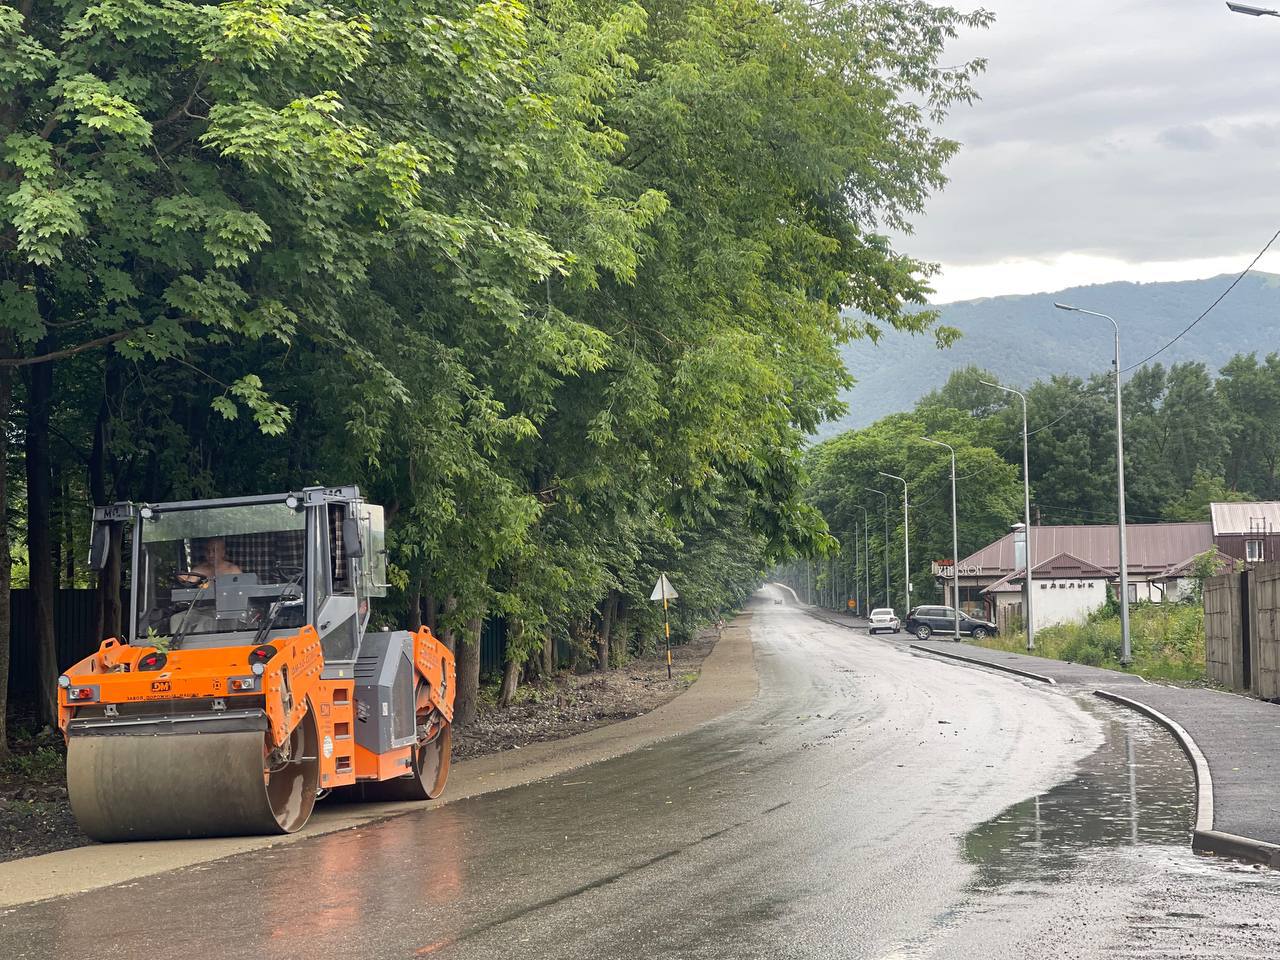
[211, 549]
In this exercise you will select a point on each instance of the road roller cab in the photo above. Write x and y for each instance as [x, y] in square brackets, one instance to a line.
[248, 682]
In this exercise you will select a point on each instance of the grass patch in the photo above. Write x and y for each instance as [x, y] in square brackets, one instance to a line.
[1167, 641]
[43, 764]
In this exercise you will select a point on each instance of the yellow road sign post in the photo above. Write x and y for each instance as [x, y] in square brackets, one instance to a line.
[662, 590]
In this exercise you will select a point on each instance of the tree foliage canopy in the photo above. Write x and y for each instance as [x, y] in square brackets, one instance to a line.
[560, 282]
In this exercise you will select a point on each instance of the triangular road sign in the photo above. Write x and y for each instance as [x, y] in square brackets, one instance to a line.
[663, 590]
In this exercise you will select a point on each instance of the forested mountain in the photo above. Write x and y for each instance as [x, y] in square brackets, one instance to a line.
[1024, 339]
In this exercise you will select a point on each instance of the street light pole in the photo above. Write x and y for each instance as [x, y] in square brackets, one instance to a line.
[1126, 653]
[888, 594]
[955, 538]
[906, 539]
[844, 604]
[1026, 506]
[866, 552]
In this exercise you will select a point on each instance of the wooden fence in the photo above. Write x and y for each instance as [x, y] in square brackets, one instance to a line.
[1242, 630]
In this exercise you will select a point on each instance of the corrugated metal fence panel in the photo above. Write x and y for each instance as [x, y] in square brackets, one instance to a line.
[493, 645]
[73, 627]
[1266, 629]
[1222, 658]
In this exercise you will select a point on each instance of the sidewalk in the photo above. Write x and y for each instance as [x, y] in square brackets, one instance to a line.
[1231, 740]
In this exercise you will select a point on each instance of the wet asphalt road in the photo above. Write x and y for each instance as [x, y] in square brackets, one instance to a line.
[869, 804]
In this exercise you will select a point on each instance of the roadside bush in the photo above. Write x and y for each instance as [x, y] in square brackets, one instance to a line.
[1167, 641]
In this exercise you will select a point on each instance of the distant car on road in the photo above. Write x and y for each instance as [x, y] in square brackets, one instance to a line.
[924, 622]
[883, 618]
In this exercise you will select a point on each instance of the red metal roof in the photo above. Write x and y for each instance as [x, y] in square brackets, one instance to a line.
[1062, 567]
[1153, 547]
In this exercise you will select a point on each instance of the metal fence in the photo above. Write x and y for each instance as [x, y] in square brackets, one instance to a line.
[73, 616]
[1242, 630]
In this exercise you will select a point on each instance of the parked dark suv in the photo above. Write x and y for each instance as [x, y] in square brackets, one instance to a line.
[924, 622]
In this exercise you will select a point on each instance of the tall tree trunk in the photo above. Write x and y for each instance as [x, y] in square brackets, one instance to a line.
[607, 616]
[39, 539]
[512, 661]
[468, 666]
[446, 634]
[415, 604]
[106, 607]
[510, 682]
[430, 603]
[68, 535]
[6, 563]
[56, 526]
[620, 634]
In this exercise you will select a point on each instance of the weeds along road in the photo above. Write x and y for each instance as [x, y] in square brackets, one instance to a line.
[869, 803]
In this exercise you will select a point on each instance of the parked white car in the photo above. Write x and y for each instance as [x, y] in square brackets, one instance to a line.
[884, 618]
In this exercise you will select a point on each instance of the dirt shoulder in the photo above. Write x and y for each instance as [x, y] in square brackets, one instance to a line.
[583, 722]
[575, 703]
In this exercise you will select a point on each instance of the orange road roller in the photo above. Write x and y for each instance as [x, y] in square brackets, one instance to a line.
[248, 683]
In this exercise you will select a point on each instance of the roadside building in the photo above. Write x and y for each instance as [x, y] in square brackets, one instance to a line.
[1067, 589]
[1247, 532]
[1072, 566]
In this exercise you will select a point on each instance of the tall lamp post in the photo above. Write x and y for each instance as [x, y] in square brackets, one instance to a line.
[1026, 507]
[866, 552]
[906, 540]
[955, 538]
[1126, 655]
[888, 597]
[843, 604]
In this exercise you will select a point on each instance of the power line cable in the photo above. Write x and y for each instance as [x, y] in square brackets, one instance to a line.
[1222, 296]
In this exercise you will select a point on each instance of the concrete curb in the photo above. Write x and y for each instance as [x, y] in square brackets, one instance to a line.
[1204, 839]
[984, 663]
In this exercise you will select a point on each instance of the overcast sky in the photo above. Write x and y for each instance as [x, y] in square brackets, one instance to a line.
[1115, 140]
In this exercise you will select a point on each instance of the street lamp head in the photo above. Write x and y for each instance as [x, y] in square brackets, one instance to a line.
[1065, 306]
[1251, 11]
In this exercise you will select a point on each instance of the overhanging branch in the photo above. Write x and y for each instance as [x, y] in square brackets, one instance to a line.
[78, 348]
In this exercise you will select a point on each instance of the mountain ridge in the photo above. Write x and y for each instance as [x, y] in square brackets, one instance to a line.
[1023, 338]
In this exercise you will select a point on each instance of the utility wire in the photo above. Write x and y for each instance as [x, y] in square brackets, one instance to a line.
[1222, 296]
[1110, 518]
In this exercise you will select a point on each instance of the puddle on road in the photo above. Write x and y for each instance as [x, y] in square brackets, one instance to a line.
[1137, 789]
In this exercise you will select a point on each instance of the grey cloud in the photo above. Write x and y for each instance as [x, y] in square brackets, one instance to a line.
[1143, 130]
[1195, 136]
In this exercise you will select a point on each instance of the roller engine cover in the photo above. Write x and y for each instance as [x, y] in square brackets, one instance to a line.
[385, 677]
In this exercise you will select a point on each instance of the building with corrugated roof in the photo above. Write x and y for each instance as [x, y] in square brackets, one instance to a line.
[1247, 532]
[1082, 560]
